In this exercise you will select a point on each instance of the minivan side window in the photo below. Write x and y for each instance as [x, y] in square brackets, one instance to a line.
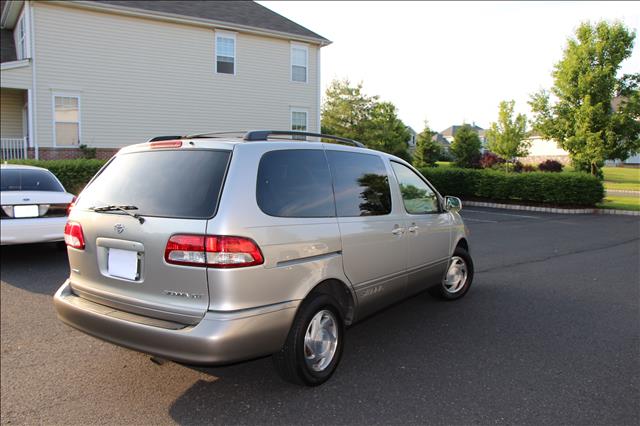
[361, 184]
[417, 197]
[295, 183]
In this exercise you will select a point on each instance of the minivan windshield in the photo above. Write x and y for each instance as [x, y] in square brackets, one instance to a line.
[28, 180]
[168, 183]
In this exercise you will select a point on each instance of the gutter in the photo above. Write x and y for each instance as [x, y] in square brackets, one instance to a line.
[172, 17]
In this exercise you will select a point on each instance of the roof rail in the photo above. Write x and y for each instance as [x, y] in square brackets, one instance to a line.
[164, 138]
[259, 135]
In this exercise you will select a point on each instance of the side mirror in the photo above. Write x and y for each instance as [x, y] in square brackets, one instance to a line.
[452, 204]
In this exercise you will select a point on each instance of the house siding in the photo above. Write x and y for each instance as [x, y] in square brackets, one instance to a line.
[16, 78]
[138, 78]
[11, 110]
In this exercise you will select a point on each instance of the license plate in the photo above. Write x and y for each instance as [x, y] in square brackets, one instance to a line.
[123, 263]
[25, 211]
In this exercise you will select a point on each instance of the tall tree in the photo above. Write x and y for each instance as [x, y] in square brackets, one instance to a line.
[506, 137]
[586, 119]
[466, 146]
[428, 151]
[350, 113]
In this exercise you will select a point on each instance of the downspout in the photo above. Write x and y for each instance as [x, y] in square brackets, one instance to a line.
[319, 130]
[32, 93]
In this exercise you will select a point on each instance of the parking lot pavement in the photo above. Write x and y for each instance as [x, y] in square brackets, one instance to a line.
[549, 333]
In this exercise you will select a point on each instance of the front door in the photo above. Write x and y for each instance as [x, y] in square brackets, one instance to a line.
[374, 243]
[428, 229]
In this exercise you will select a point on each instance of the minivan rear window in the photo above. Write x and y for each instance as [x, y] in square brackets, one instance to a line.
[167, 183]
[28, 180]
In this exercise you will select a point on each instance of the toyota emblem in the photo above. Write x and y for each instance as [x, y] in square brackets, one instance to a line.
[119, 228]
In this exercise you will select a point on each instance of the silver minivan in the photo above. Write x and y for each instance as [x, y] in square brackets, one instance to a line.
[212, 249]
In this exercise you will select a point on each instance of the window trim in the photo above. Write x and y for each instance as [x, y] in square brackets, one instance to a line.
[306, 68]
[23, 47]
[225, 34]
[426, 182]
[55, 95]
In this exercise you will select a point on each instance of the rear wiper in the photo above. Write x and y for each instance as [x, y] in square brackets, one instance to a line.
[124, 208]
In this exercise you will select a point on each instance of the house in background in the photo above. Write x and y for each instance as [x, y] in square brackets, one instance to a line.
[112, 73]
[411, 143]
[442, 141]
[450, 133]
[541, 149]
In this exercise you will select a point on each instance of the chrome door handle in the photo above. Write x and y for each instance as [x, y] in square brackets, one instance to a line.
[414, 228]
[397, 231]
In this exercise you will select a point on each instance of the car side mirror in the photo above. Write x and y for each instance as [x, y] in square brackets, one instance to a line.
[452, 204]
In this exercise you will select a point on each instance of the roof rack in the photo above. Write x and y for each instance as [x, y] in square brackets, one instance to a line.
[259, 135]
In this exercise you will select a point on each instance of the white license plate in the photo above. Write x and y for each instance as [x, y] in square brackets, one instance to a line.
[25, 211]
[123, 263]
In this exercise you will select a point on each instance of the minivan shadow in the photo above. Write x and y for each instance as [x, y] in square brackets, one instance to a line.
[377, 350]
[38, 268]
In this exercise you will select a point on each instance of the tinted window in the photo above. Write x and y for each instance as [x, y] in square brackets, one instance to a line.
[28, 180]
[180, 183]
[295, 183]
[417, 197]
[361, 184]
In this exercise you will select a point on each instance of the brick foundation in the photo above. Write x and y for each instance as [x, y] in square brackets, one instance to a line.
[69, 153]
[534, 160]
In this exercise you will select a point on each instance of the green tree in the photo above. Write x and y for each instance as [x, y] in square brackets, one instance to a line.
[506, 137]
[428, 151]
[466, 147]
[584, 119]
[346, 110]
[385, 132]
[349, 113]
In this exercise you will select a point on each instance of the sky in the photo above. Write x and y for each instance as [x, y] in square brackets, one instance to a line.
[450, 62]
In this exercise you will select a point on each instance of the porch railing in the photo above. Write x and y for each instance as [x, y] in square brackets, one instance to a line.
[13, 148]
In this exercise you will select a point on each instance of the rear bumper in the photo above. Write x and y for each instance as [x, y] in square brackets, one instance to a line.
[36, 230]
[219, 338]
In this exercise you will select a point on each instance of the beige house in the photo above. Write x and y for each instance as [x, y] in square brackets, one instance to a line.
[112, 73]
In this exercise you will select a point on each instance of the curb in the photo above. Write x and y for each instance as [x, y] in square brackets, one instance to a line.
[621, 191]
[550, 209]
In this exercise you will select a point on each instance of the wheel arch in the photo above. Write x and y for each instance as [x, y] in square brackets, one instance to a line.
[340, 291]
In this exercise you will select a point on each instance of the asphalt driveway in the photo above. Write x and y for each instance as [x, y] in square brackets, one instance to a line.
[549, 333]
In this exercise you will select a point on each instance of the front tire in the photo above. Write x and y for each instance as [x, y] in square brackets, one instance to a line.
[314, 345]
[458, 278]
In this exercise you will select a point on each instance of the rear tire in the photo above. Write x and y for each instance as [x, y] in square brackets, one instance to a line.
[458, 278]
[314, 345]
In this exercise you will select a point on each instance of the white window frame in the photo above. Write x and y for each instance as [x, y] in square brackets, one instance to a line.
[22, 45]
[306, 121]
[306, 49]
[53, 117]
[225, 34]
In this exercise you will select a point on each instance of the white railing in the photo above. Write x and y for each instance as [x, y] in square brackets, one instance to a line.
[13, 148]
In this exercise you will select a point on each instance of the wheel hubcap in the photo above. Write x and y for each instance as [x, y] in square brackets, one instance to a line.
[456, 275]
[321, 340]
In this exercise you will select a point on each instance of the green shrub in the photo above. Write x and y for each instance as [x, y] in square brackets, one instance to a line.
[74, 174]
[568, 189]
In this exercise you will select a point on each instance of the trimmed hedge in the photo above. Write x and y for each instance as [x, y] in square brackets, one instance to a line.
[74, 174]
[559, 189]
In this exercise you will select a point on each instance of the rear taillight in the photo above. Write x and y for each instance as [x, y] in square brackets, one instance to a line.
[73, 235]
[71, 205]
[165, 144]
[213, 251]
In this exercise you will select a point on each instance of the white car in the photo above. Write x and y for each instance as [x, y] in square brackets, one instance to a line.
[34, 205]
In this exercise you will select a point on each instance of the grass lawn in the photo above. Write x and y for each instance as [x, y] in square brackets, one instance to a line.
[622, 178]
[621, 202]
[444, 164]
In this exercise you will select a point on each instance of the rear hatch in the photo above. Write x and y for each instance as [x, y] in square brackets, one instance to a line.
[174, 191]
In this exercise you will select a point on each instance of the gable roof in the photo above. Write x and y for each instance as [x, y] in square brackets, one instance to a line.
[243, 13]
[451, 131]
